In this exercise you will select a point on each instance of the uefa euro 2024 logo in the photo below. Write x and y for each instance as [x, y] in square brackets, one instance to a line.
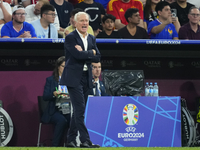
[130, 114]
[130, 117]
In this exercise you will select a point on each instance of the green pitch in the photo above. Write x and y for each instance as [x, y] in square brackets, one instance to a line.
[102, 148]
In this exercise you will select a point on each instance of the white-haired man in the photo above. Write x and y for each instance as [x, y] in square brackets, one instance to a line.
[80, 50]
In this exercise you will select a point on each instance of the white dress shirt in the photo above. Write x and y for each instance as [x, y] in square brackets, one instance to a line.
[85, 43]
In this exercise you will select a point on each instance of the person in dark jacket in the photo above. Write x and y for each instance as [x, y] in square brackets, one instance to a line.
[52, 113]
[99, 88]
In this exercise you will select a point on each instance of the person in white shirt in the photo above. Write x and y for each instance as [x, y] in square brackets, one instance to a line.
[5, 13]
[33, 12]
[44, 27]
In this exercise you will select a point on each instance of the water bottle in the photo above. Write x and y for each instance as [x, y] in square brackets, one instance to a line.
[151, 89]
[155, 89]
[147, 89]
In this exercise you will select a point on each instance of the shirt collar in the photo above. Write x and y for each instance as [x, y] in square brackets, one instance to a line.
[81, 35]
[191, 28]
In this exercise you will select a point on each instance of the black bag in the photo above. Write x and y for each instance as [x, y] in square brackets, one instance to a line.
[123, 82]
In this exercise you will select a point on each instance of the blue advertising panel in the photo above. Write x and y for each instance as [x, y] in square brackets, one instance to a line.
[134, 121]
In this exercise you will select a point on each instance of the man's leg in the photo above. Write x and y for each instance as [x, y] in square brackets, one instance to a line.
[78, 99]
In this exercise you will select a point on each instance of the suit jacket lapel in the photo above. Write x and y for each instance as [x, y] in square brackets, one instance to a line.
[89, 41]
[80, 42]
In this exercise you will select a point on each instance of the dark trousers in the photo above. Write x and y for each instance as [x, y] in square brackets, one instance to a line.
[79, 97]
[61, 123]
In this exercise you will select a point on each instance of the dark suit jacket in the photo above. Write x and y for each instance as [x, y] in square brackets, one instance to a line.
[102, 88]
[49, 88]
[75, 59]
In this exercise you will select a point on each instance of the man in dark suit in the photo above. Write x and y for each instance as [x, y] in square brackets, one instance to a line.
[98, 87]
[80, 50]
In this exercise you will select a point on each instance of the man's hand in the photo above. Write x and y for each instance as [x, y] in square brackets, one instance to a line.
[62, 29]
[79, 48]
[96, 32]
[66, 32]
[26, 34]
[94, 52]
[2, 21]
[174, 19]
[176, 23]
[169, 20]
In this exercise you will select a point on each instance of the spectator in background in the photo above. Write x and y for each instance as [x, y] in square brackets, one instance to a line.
[18, 27]
[182, 7]
[194, 2]
[162, 28]
[74, 2]
[118, 8]
[150, 13]
[63, 9]
[5, 13]
[44, 27]
[108, 23]
[99, 88]
[72, 27]
[132, 30]
[25, 3]
[143, 2]
[103, 2]
[52, 114]
[191, 30]
[170, 1]
[33, 13]
[95, 11]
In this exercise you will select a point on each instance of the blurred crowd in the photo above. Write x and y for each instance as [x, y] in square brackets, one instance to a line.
[121, 19]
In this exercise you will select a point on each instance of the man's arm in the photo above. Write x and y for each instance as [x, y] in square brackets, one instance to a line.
[176, 23]
[175, 34]
[5, 37]
[6, 12]
[140, 7]
[97, 56]
[141, 24]
[71, 46]
[26, 3]
[2, 21]
[175, 38]
[119, 24]
[159, 28]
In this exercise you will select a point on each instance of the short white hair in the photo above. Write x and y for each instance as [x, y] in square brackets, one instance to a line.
[80, 13]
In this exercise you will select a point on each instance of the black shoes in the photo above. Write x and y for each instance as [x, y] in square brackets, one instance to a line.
[87, 144]
[71, 144]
